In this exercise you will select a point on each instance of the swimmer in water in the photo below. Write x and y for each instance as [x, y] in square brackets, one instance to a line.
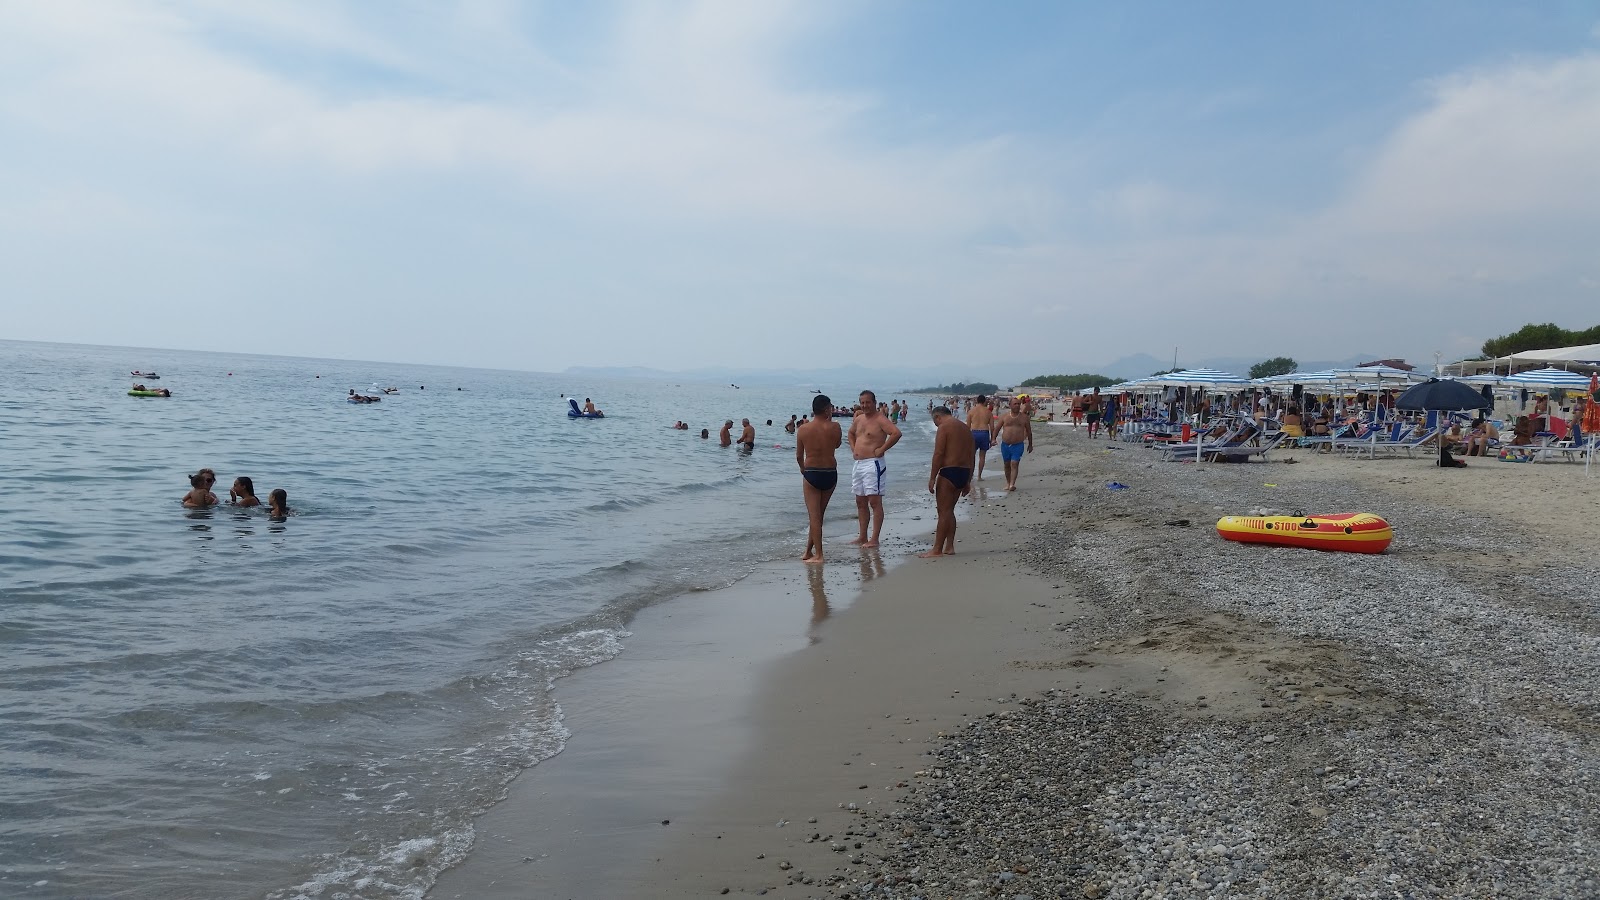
[278, 503]
[747, 438]
[200, 496]
[726, 436]
[243, 492]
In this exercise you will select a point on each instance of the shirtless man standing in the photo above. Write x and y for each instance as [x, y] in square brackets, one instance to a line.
[726, 437]
[747, 438]
[951, 478]
[814, 446]
[1015, 428]
[871, 436]
[978, 420]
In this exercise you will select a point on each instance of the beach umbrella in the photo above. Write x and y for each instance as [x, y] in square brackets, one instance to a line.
[1591, 421]
[1378, 375]
[1434, 395]
[1554, 379]
[1201, 378]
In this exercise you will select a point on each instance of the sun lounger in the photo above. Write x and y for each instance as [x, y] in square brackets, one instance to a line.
[1245, 452]
[1237, 437]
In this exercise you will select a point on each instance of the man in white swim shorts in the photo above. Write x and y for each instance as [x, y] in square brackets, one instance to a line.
[871, 436]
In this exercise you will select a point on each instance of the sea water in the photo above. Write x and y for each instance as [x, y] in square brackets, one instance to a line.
[212, 703]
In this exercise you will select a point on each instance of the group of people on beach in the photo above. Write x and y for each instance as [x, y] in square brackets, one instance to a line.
[242, 493]
[958, 448]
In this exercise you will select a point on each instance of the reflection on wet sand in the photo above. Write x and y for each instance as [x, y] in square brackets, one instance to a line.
[871, 565]
[819, 599]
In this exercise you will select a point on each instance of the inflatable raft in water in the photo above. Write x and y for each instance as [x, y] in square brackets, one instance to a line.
[1345, 532]
[148, 394]
[573, 412]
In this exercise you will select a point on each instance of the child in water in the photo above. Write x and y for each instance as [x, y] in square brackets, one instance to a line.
[278, 503]
[200, 496]
[243, 492]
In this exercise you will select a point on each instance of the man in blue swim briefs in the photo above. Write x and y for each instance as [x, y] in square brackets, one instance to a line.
[950, 477]
[871, 435]
[1016, 434]
[814, 445]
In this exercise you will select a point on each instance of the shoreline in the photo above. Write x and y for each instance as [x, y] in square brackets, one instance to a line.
[653, 729]
[1091, 700]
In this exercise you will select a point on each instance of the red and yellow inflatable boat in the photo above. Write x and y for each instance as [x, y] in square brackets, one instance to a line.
[1346, 532]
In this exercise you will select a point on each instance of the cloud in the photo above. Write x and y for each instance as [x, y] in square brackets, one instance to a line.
[1497, 148]
[688, 115]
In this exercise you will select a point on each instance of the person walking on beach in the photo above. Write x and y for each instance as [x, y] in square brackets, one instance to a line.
[979, 421]
[951, 476]
[726, 437]
[871, 436]
[1091, 411]
[1016, 434]
[814, 445]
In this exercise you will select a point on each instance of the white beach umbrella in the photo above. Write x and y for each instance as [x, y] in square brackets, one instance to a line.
[1201, 378]
[1555, 379]
[1379, 375]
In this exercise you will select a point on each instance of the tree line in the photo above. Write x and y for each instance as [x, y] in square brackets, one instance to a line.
[1538, 337]
[960, 387]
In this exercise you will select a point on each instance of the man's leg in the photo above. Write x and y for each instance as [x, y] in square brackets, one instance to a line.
[944, 522]
[875, 507]
[863, 511]
[814, 503]
[983, 455]
[948, 497]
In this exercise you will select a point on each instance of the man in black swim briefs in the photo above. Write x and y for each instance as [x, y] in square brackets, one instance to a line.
[814, 445]
[949, 478]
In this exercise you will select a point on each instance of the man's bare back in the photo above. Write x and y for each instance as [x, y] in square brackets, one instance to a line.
[815, 443]
[953, 446]
[980, 417]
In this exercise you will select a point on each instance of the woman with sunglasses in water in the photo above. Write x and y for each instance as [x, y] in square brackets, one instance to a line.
[200, 496]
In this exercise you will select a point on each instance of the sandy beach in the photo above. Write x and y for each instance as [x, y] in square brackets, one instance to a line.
[1097, 697]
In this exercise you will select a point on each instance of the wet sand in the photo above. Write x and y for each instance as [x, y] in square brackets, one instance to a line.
[1163, 693]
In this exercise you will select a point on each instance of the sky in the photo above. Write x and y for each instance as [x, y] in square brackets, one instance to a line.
[758, 183]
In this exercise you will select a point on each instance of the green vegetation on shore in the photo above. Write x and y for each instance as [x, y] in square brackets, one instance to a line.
[1278, 365]
[960, 387]
[1080, 382]
[1539, 337]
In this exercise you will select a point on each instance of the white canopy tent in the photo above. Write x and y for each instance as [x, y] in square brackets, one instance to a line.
[1584, 356]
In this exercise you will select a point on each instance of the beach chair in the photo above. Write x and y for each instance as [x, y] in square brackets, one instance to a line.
[1325, 441]
[1373, 437]
[1356, 435]
[1243, 452]
[1236, 437]
[1409, 446]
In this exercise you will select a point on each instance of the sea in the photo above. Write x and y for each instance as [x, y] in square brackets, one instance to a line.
[218, 704]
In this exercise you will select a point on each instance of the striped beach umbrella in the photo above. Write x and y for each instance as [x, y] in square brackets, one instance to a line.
[1554, 379]
[1201, 378]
